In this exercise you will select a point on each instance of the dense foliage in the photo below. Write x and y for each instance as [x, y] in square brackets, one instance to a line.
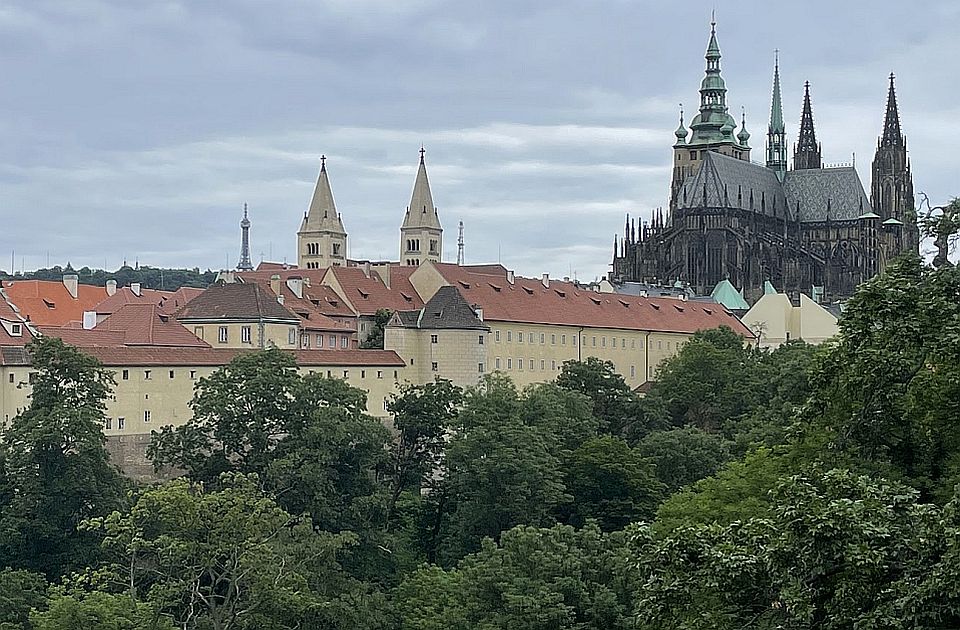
[792, 488]
[148, 277]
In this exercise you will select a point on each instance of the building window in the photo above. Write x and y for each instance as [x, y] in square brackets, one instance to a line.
[693, 155]
[193, 375]
[543, 338]
[594, 342]
[121, 422]
[496, 336]
[633, 344]
[480, 368]
[108, 424]
[336, 249]
[305, 340]
[332, 341]
[146, 375]
[434, 367]
[245, 334]
[603, 342]
[633, 371]
[520, 364]
[222, 335]
[530, 338]
[379, 373]
[563, 340]
[146, 415]
[346, 374]
[480, 340]
[553, 365]
[171, 373]
[11, 379]
[363, 374]
[519, 337]
[659, 345]
[433, 246]
[553, 340]
[16, 330]
[434, 339]
[319, 342]
[292, 336]
[497, 364]
[344, 341]
[509, 336]
[126, 375]
[509, 364]
[543, 365]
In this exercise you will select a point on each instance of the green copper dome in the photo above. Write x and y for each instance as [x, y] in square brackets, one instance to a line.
[744, 135]
[681, 131]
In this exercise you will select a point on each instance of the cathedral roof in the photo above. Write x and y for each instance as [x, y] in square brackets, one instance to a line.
[728, 182]
[822, 192]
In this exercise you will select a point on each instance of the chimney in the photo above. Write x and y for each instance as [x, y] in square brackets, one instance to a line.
[366, 268]
[89, 319]
[275, 283]
[135, 288]
[71, 282]
[111, 287]
[479, 311]
[384, 272]
[295, 284]
[280, 299]
[510, 276]
[545, 280]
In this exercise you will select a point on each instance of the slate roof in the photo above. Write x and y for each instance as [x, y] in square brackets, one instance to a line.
[723, 177]
[838, 188]
[447, 309]
[236, 301]
[720, 179]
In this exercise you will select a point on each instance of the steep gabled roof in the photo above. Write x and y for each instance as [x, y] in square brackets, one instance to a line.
[447, 309]
[236, 301]
[368, 293]
[836, 193]
[48, 303]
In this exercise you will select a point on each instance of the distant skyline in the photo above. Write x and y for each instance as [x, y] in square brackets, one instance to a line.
[137, 131]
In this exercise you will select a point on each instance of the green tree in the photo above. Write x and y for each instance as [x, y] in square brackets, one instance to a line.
[614, 404]
[533, 579]
[55, 469]
[20, 592]
[98, 611]
[228, 559]
[374, 340]
[422, 417]
[611, 483]
[684, 455]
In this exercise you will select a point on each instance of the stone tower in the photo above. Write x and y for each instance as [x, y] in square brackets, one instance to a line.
[891, 191]
[806, 153]
[322, 241]
[245, 264]
[776, 132]
[712, 129]
[421, 237]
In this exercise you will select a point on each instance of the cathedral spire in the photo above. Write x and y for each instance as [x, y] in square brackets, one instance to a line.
[891, 121]
[776, 131]
[322, 239]
[806, 153]
[245, 264]
[420, 233]
[421, 212]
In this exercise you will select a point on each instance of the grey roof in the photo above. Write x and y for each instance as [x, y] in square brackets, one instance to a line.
[726, 182]
[421, 212]
[447, 309]
[729, 182]
[651, 290]
[322, 215]
[822, 191]
[236, 301]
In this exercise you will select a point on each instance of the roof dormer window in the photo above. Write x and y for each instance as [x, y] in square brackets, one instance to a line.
[16, 330]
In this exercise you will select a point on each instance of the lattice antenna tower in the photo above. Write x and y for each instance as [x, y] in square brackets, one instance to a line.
[460, 246]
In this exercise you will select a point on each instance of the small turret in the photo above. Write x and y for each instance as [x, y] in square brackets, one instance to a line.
[806, 153]
[681, 132]
[744, 135]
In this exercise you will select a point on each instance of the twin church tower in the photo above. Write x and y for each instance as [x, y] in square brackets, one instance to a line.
[322, 239]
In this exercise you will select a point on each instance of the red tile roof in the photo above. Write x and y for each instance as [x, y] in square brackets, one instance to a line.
[85, 338]
[527, 300]
[48, 303]
[147, 325]
[323, 298]
[11, 317]
[144, 356]
[368, 294]
[125, 295]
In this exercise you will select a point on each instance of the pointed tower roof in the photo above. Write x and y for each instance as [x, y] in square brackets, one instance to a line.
[421, 212]
[322, 214]
[713, 124]
[891, 121]
[776, 103]
[807, 152]
[744, 135]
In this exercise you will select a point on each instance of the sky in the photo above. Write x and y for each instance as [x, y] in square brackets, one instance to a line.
[136, 130]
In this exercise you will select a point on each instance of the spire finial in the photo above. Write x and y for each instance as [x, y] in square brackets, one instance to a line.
[713, 20]
[244, 209]
[681, 114]
[422, 151]
[323, 162]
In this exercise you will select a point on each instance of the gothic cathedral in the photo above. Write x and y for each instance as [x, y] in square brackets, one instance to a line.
[810, 228]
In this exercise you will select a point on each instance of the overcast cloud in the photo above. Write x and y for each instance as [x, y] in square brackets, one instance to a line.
[136, 129]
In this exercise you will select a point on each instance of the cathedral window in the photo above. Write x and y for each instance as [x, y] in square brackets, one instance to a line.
[433, 246]
[336, 249]
[693, 155]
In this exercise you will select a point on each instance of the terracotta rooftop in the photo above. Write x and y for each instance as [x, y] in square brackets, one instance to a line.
[48, 303]
[368, 294]
[8, 321]
[527, 300]
[236, 301]
[147, 325]
[144, 356]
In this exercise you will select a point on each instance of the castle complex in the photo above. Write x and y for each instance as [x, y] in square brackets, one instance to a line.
[810, 228]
